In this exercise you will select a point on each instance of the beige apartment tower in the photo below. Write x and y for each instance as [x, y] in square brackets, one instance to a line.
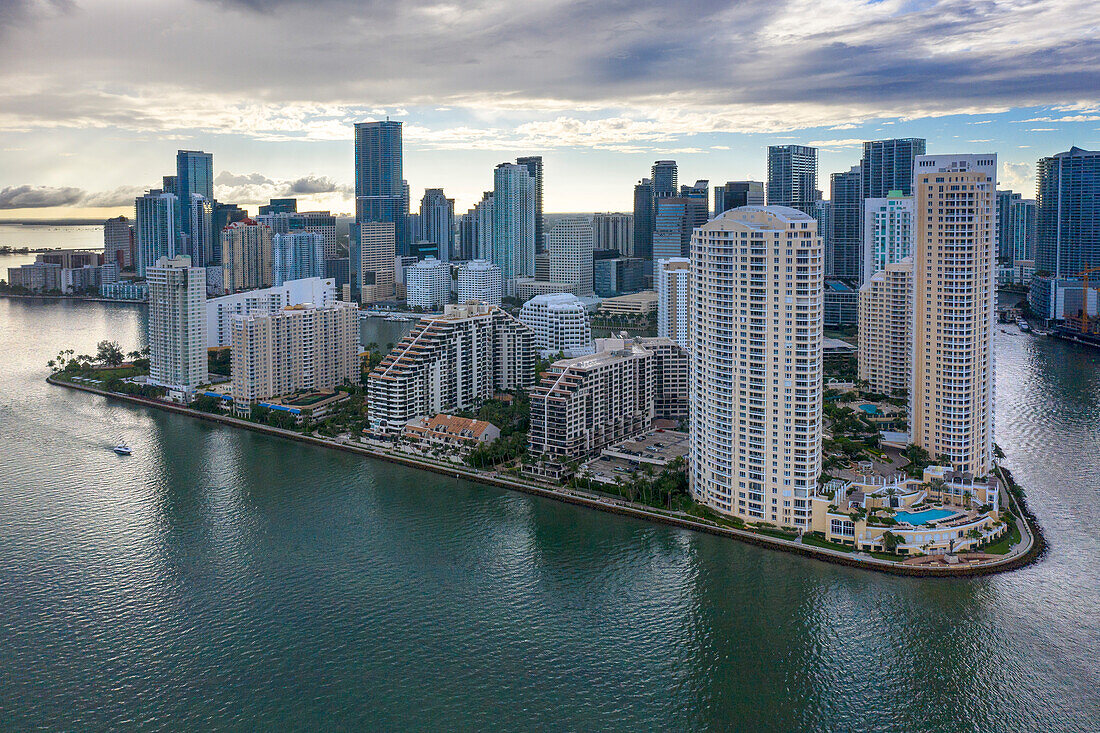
[951, 400]
[886, 328]
[757, 275]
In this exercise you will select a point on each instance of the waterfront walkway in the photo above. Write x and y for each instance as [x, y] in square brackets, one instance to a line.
[1022, 554]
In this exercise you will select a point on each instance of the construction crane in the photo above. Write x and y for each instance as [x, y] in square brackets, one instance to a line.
[1085, 298]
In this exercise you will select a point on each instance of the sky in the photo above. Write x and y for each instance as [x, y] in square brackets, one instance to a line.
[97, 95]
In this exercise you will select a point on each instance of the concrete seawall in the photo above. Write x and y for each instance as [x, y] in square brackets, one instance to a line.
[615, 506]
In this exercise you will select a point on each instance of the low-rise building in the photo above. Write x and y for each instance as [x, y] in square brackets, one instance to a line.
[450, 362]
[459, 434]
[125, 290]
[560, 324]
[635, 304]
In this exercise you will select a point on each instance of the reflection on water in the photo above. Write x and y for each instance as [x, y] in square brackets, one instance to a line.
[220, 578]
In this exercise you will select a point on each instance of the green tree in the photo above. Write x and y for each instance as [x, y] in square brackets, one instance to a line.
[109, 354]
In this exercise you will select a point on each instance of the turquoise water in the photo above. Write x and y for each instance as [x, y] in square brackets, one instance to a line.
[924, 517]
[220, 579]
[869, 409]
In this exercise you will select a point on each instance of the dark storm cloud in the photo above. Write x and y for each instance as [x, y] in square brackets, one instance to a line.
[42, 197]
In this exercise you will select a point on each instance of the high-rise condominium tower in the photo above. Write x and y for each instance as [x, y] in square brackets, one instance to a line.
[792, 177]
[297, 255]
[372, 265]
[247, 256]
[1005, 199]
[738, 193]
[533, 163]
[118, 242]
[664, 176]
[437, 221]
[887, 165]
[195, 188]
[155, 220]
[614, 231]
[951, 401]
[886, 327]
[1068, 225]
[643, 219]
[676, 218]
[177, 323]
[887, 232]
[844, 240]
[673, 285]
[570, 245]
[513, 223]
[756, 336]
[380, 190]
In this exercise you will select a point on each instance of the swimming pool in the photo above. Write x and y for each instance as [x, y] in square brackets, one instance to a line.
[870, 409]
[928, 515]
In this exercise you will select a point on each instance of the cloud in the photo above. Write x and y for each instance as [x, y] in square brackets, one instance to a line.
[256, 188]
[1018, 177]
[43, 197]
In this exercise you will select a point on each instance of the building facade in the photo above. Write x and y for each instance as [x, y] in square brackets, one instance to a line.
[735, 194]
[559, 323]
[513, 223]
[247, 256]
[886, 328]
[297, 255]
[479, 280]
[372, 248]
[673, 300]
[177, 323]
[887, 232]
[569, 245]
[220, 311]
[118, 242]
[437, 222]
[792, 177]
[847, 225]
[756, 382]
[613, 231]
[533, 164]
[321, 223]
[155, 228]
[381, 194]
[450, 362]
[428, 284]
[951, 398]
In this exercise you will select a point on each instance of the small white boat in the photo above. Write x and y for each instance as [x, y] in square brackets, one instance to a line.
[122, 449]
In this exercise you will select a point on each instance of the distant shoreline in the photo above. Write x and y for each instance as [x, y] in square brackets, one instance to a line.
[54, 222]
[606, 504]
[88, 298]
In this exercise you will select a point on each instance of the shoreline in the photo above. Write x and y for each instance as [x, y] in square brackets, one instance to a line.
[1030, 553]
[87, 298]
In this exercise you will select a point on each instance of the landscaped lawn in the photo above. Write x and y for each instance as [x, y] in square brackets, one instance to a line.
[1005, 543]
[813, 539]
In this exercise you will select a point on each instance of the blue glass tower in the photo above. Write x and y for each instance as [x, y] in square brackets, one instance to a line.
[380, 194]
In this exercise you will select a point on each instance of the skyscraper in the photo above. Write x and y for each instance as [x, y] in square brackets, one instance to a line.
[194, 174]
[886, 328]
[513, 223]
[533, 163]
[195, 177]
[673, 286]
[846, 235]
[570, 245]
[664, 176]
[155, 220]
[479, 280]
[428, 284]
[200, 231]
[614, 231]
[372, 247]
[1005, 199]
[1024, 218]
[484, 211]
[676, 218]
[951, 401]
[177, 323]
[247, 256]
[756, 381]
[437, 221]
[381, 193]
[279, 206]
[1068, 223]
[297, 255]
[887, 165]
[735, 194]
[887, 231]
[792, 177]
[643, 219]
[118, 242]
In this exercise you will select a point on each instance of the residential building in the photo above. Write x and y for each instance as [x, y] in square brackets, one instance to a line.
[125, 290]
[224, 215]
[197, 240]
[951, 399]
[89, 278]
[437, 222]
[247, 256]
[634, 304]
[570, 245]
[321, 223]
[401, 265]
[677, 217]
[613, 231]
[887, 165]
[1005, 201]
[735, 194]
[559, 322]
[1024, 230]
[484, 212]
[177, 324]
[841, 304]
[118, 242]
[428, 284]
[220, 312]
[671, 378]
[756, 377]
[450, 362]
[37, 277]
[1068, 223]
[299, 348]
[155, 221]
[459, 434]
[513, 223]
[380, 189]
[887, 231]
[643, 219]
[479, 280]
[823, 215]
[886, 328]
[792, 177]
[664, 176]
[70, 258]
[297, 255]
[195, 188]
[673, 300]
[618, 276]
[585, 403]
[846, 235]
[533, 164]
[372, 247]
